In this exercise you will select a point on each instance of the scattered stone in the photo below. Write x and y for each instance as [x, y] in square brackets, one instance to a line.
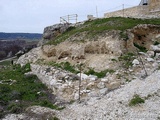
[104, 80]
[103, 91]
[113, 85]
[76, 96]
[101, 85]
[135, 62]
[150, 59]
[83, 76]
[92, 77]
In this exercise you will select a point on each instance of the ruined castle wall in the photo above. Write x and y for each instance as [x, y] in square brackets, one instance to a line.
[135, 12]
[154, 5]
[129, 12]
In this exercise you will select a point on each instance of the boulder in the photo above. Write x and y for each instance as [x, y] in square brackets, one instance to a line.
[135, 62]
[150, 59]
[113, 85]
[92, 77]
[51, 32]
[83, 76]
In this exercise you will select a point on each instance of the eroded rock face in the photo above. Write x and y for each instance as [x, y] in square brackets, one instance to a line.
[49, 50]
[51, 32]
[30, 57]
[145, 35]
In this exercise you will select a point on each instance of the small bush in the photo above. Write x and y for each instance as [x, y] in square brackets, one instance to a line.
[54, 118]
[15, 108]
[156, 43]
[64, 65]
[124, 36]
[99, 74]
[46, 103]
[25, 89]
[136, 100]
[141, 48]
[70, 28]
[127, 59]
[26, 68]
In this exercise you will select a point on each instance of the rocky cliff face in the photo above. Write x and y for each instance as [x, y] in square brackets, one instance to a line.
[51, 32]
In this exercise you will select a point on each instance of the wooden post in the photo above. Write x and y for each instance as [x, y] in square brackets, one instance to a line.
[96, 11]
[123, 10]
[80, 83]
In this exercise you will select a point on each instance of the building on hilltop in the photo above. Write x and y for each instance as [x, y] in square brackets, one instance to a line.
[143, 2]
[146, 9]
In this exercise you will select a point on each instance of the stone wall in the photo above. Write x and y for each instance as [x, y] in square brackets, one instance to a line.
[135, 12]
[154, 5]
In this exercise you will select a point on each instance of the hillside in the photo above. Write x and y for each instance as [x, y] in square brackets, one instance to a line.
[101, 69]
[12, 36]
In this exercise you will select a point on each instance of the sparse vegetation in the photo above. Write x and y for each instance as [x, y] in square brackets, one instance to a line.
[124, 35]
[99, 74]
[114, 60]
[99, 26]
[54, 118]
[156, 43]
[136, 100]
[64, 65]
[141, 48]
[127, 59]
[5, 62]
[19, 91]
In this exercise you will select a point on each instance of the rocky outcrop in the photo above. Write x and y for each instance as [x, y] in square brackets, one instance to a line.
[51, 32]
[145, 35]
[30, 57]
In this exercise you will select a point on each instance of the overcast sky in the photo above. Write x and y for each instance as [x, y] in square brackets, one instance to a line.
[32, 16]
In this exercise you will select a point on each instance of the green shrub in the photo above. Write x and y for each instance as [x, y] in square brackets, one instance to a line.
[54, 118]
[64, 65]
[141, 48]
[127, 59]
[25, 89]
[136, 100]
[124, 36]
[15, 108]
[156, 43]
[99, 74]
[46, 103]
[26, 68]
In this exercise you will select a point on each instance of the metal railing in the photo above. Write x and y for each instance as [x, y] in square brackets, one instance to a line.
[69, 19]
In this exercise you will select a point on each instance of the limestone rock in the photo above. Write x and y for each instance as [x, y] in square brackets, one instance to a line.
[49, 50]
[92, 77]
[113, 85]
[101, 85]
[51, 32]
[155, 48]
[103, 91]
[104, 80]
[135, 62]
[83, 76]
[150, 59]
